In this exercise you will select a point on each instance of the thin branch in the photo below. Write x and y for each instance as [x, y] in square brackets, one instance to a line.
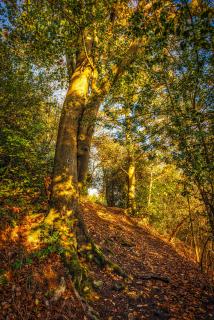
[86, 52]
[123, 170]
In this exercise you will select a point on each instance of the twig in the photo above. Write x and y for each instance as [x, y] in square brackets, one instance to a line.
[151, 276]
[86, 52]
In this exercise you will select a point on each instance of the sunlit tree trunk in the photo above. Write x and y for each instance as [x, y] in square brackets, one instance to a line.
[131, 186]
[70, 167]
[85, 135]
[131, 164]
[65, 177]
[150, 190]
[75, 133]
[64, 216]
[194, 239]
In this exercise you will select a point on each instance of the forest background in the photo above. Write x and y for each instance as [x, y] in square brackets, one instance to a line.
[139, 74]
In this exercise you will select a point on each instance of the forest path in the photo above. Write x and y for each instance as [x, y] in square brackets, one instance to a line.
[34, 284]
[182, 292]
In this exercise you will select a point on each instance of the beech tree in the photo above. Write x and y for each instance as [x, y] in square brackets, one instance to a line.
[95, 41]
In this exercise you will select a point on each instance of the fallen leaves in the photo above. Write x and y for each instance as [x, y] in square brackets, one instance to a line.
[164, 285]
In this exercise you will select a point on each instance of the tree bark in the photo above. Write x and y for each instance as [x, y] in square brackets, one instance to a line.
[131, 162]
[150, 189]
[64, 217]
[194, 239]
[64, 187]
[85, 134]
[131, 186]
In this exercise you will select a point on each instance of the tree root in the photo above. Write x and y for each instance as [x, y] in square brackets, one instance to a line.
[79, 273]
[93, 250]
[103, 261]
[72, 241]
[82, 282]
[152, 276]
[88, 310]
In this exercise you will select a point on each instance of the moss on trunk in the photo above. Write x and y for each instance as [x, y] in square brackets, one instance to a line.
[64, 223]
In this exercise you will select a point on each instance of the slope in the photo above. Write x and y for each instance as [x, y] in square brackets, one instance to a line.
[163, 284]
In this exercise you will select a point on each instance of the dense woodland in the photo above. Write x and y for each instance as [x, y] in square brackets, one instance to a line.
[106, 106]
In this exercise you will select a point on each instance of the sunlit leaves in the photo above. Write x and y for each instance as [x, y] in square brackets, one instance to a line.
[27, 136]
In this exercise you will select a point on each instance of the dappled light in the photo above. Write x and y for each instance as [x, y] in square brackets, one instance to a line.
[106, 160]
[143, 254]
[161, 274]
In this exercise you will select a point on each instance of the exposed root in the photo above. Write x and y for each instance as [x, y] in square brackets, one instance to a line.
[103, 261]
[88, 310]
[79, 273]
[70, 237]
[92, 250]
[152, 276]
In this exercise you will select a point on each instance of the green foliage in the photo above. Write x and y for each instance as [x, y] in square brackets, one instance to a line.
[179, 65]
[106, 168]
[28, 124]
[167, 205]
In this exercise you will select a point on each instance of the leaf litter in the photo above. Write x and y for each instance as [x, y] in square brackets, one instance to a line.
[163, 283]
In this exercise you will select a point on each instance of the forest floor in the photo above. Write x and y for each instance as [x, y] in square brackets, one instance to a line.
[164, 283]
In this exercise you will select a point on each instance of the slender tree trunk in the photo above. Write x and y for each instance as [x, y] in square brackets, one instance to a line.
[131, 163]
[194, 239]
[175, 231]
[131, 186]
[85, 135]
[150, 189]
[207, 197]
[110, 191]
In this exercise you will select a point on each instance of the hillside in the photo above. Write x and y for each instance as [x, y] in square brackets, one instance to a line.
[163, 284]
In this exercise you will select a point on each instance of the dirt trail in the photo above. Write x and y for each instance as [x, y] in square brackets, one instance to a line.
[165, 284]
[182, 292]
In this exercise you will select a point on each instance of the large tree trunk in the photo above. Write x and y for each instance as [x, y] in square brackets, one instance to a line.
[64, 217]
[65, 177]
